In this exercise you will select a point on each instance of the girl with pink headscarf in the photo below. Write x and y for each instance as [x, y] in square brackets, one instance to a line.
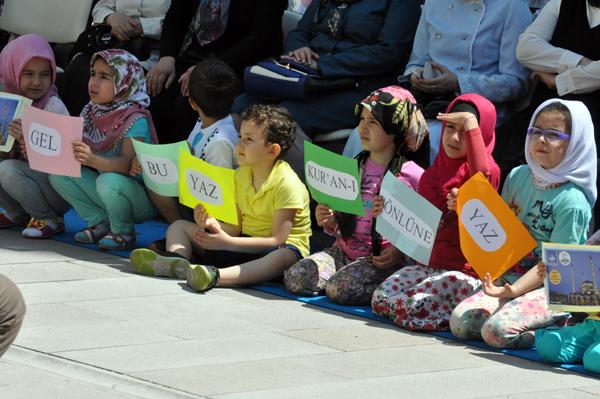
[390, 127]
[28, 69]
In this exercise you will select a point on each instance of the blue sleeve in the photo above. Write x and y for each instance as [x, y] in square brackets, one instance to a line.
[420, 49]
[511, 80]
[139, 129]
[301, 36]
[394, 40]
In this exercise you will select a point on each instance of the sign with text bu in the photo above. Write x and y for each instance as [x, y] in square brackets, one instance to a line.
[48, 141]
[492, 238]
[333, 179]
[160, 166]
[209, 185]
[408, 221]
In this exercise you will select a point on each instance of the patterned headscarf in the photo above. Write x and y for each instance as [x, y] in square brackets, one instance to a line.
[208, 24]
[396, 111]
[105, 124]
[15, 56]
[337, 19]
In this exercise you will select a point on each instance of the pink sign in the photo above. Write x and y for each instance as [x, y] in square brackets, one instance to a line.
[48, 138]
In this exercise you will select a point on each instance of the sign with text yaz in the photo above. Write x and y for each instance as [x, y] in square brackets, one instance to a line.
[209, 185]
[160, 166]
[492, 238]
[333, 179]
[408, 221]
[48, 139]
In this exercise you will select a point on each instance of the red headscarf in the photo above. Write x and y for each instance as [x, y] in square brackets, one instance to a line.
[447, 173]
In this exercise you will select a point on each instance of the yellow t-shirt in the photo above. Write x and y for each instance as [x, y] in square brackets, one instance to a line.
[282, 190]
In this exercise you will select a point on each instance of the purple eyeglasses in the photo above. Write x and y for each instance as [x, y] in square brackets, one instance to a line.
[550, 135]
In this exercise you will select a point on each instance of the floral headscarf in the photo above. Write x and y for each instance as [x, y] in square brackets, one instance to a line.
[208, 24]
[15, 56]
[396, 111]
[106, 124]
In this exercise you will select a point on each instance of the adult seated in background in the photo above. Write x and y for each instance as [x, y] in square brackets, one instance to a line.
[367, 40]
[137, 24]
[470, 46]
[239, 32]
[562, 48]
[298, 5]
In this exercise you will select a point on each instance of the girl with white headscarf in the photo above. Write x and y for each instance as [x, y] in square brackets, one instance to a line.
[553, 195]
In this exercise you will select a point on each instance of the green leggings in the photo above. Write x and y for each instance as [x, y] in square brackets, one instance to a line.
[110, 196]
[572, 344]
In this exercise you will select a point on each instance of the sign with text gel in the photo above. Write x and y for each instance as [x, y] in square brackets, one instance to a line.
[572, 277]
[209, 185]
[48, 141]
[160, 166]
[11, 107]
[492, 238]
[333, 179]
[408, 221]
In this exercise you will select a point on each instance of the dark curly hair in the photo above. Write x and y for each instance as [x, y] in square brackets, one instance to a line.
[279, 125]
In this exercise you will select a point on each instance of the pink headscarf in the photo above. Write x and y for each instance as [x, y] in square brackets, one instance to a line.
[15, 56]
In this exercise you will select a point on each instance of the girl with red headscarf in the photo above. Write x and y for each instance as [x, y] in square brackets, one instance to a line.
[422, 297]
[27, 68]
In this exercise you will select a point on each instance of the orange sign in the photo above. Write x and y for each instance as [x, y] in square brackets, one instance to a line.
[492, 238]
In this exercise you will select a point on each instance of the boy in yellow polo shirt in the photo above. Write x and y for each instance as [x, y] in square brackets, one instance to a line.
[272, 206]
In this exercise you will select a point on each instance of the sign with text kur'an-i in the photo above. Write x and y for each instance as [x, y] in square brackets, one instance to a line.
[160, 166]
[48, 140]
[333, 179]
[209, 185]
[408, 220]
[492, 238]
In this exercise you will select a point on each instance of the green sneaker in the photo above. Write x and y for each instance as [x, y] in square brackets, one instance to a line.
[202, 278]
[149, 263]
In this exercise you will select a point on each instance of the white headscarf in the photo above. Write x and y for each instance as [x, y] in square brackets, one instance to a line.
[579, 164]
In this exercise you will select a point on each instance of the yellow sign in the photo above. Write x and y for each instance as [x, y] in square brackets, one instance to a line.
[209, 185]
[492, 238]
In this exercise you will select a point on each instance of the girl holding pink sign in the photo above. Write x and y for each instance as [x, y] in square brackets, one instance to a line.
[28, 69]
[105, 196]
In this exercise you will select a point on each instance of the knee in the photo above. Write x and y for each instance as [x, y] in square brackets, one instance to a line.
[10, 172]
[58, 182]
[548, 343]
[501, 334]
[459, 319]
[302, 278]
[110, 183]
[591, 358]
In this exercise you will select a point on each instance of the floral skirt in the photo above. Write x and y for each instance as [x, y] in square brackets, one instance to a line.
[332, 273]
[422, 298]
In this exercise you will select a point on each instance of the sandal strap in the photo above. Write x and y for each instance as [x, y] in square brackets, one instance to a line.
[216, 279]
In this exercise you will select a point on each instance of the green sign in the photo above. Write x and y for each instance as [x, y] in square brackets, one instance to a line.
[160, 166]
[333, 179]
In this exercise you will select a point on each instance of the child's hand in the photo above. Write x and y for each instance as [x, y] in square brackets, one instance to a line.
[497, 292]
[390, 256]
[216, 238]
[83, 153]
[23, 149]
[377, 206]
[323, 214]
[451, 199]
[201, 216]
[135, 168]
[465, 119]
[541, 271]
[15, 129]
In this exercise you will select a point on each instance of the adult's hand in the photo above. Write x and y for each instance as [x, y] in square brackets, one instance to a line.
[447, 82]
[161, 75]
[549, 79]
[184, 81]
[123, 26]
[304, 55]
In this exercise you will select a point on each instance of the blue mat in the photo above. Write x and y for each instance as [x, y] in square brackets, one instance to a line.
[155, 230]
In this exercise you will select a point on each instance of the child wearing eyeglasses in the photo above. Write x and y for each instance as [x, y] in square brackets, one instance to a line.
[553, 195]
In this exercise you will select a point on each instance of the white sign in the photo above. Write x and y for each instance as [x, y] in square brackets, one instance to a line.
[44, 140]
[203, 187]
[161, 170]
[482, 226]
[331, 182]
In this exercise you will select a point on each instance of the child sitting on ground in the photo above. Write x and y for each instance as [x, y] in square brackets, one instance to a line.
[27, 68]
[422, 297]
[109, 200]
[390, 127]
[274, 221]
[553, 196]
[212, 89]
